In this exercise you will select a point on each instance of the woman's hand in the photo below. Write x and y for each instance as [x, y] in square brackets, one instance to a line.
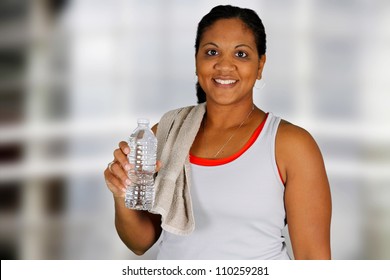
[144, 226]
[116, 171]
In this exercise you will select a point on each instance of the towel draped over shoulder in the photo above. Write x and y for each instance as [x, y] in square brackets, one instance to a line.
[176, 132]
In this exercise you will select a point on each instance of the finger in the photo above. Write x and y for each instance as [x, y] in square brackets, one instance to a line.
[124, 146]
[120, 173]
[114, 184]
[116, 170]
[122, 159]
[110, 164]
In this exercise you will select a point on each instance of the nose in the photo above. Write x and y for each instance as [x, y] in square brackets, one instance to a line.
[225, 64]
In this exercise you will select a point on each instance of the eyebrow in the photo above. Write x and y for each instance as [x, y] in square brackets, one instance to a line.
[244, 45]
[209, 43]
[238, 46]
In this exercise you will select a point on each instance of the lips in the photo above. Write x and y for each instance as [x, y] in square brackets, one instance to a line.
[225, 81]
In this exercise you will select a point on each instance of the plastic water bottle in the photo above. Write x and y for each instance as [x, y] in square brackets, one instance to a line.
[142, 159]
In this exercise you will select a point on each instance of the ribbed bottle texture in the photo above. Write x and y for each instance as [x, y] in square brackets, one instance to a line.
[142, 158]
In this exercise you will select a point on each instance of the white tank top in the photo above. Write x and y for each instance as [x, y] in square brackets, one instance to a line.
[238, 205]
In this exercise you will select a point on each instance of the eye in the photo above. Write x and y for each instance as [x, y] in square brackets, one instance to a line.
[241, 54]
[211, 52]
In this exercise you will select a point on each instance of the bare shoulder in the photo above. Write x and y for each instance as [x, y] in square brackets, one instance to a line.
[295, 137]
[296, 148]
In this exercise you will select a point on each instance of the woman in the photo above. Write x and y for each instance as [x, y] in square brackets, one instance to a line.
[250, 172]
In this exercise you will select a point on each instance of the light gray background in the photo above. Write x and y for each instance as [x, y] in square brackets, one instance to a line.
[116, 60]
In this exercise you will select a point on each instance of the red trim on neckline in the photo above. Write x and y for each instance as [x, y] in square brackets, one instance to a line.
[221, 161]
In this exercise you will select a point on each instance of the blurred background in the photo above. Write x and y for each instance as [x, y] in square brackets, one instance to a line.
[75, 75]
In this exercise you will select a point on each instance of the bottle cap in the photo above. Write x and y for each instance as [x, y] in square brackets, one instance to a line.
[143, 121]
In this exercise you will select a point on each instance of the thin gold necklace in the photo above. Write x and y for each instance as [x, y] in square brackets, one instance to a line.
[232, 135]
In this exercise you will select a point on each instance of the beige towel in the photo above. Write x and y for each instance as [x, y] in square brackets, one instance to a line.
[176, 132]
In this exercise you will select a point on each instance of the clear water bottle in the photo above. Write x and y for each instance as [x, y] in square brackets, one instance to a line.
[142, 159]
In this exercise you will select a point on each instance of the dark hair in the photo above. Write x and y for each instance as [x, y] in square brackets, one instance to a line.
[250, 19]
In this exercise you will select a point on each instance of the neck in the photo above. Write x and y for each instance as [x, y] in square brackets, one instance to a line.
[225, 117]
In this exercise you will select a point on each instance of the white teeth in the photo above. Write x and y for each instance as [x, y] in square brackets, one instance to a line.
[225, 82]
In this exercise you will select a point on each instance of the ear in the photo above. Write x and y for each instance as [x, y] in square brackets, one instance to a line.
[261, 66]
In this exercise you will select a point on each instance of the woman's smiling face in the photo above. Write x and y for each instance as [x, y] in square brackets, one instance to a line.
[227, 62]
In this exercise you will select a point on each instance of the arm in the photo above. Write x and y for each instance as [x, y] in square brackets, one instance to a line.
[307, 194]
[139, 230]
